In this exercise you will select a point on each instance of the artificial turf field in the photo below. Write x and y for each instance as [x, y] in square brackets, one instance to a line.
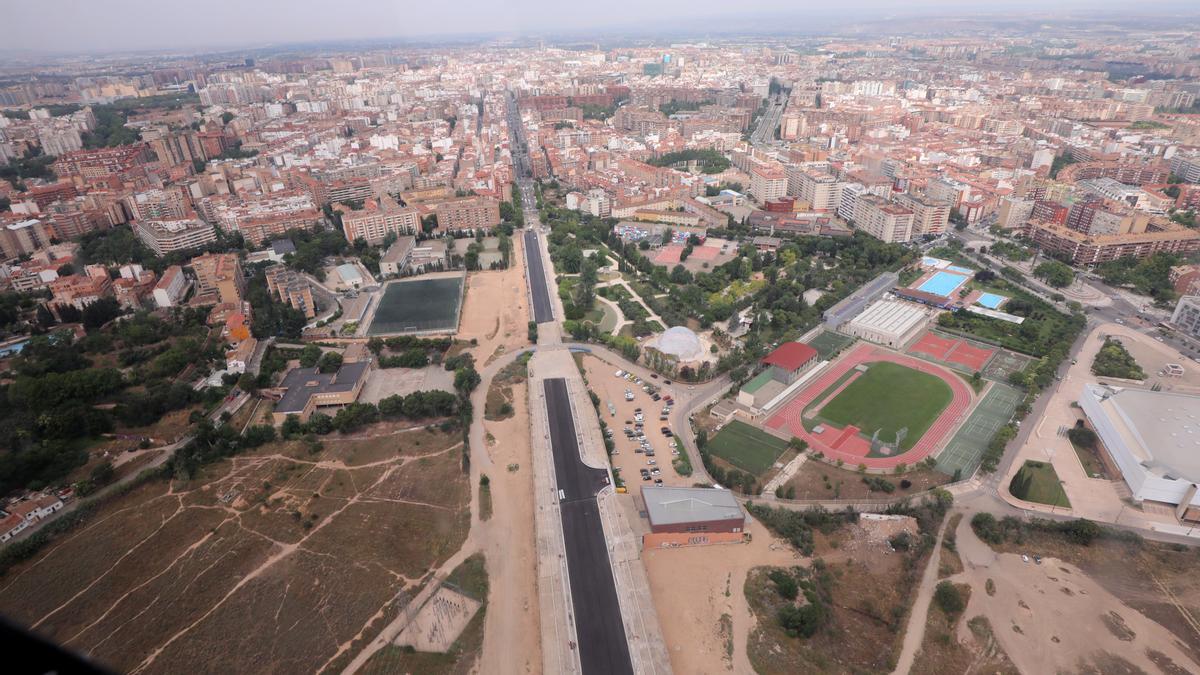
[889, 397]
[747, 448]
[419, 305]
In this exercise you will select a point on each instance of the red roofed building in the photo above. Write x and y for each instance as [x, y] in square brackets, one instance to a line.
[789, 361]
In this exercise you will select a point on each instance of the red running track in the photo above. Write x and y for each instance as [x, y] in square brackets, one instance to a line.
[789, 418]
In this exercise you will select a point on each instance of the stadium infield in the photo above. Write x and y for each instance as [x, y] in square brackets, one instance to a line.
[850, 443]
[887, 398]
[421, 305]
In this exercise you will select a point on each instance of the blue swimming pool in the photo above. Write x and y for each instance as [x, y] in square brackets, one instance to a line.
[943, 283]
[960, 270]
[991, 300]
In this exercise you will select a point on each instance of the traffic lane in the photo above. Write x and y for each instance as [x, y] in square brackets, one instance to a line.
[542, 311]
[576, 479]
[598, 624]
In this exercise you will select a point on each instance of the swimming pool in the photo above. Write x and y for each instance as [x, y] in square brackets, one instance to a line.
[990, 300]
[930, 261]
[942, 283]
[960, 270]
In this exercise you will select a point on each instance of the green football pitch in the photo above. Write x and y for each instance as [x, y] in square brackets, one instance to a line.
[889, 397]
[747, 448]
[419, 305]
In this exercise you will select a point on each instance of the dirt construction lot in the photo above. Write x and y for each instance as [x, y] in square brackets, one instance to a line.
[1057, 617]
[495, 312]
[282, 557]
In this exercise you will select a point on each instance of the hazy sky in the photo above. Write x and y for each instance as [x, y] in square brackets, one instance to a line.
[115, 25]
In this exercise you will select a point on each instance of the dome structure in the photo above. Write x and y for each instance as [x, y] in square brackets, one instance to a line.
[681, 343]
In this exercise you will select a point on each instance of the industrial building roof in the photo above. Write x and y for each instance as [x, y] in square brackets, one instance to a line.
[673, 505]
[302, 383]
[1166, 427]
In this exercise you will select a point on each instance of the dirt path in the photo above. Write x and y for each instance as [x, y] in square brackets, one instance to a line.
[914, 634]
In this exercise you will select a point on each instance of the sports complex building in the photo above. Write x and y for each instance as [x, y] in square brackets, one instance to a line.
[1154, 439]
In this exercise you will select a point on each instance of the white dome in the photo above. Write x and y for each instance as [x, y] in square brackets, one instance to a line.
[681, 343]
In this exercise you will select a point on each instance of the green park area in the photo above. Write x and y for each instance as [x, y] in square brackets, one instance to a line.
[890, 397]
[746, 447]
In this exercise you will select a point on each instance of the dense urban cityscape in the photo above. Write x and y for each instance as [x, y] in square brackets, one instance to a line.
[345, 356]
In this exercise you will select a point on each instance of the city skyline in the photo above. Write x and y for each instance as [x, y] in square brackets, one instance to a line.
[145, 25]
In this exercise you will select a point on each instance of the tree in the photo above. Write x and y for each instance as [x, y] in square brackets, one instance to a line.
[247, 382]
[103, 473]
[330, 362]
[310, 355]
[226, 117]
[949, 598]
[1055, 273]
[465, 380]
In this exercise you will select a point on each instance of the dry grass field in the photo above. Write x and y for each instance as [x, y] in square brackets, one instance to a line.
[283, 557]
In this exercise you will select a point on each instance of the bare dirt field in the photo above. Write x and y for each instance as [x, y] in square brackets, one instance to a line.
[817, 480]
[512, 635]
[283, 556]
[382, 383]
[701, 608]
[1109, 607]
[495, 311]
[500, 402]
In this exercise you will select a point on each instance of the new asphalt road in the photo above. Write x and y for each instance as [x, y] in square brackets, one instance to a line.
[542, 310]
[602, 646]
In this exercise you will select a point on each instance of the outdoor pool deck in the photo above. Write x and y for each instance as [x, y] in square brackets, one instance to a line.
[942, 283]
[991, 300]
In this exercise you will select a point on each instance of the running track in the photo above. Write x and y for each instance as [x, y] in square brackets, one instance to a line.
[789, 417]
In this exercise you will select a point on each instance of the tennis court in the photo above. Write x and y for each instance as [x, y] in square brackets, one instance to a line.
[1005, 363]
[424, 305]
[828, 344]
[965, 450]
[955, 352]
[942, 283]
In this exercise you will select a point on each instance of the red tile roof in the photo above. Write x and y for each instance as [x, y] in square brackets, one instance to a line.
[790, 355]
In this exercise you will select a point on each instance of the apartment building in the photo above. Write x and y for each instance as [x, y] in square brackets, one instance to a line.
[24, 237]
[378, 218]
[883, 220]
[263, 217]
[929, 217]
[767, 181]
[219, 274]
[1186, 167]
[81, 290]
[1186, 316]
[1090, 249]
[1014, 212]
[171, 288]
[822, 191]
[468, 213]
[169, 236]
[291, 288]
